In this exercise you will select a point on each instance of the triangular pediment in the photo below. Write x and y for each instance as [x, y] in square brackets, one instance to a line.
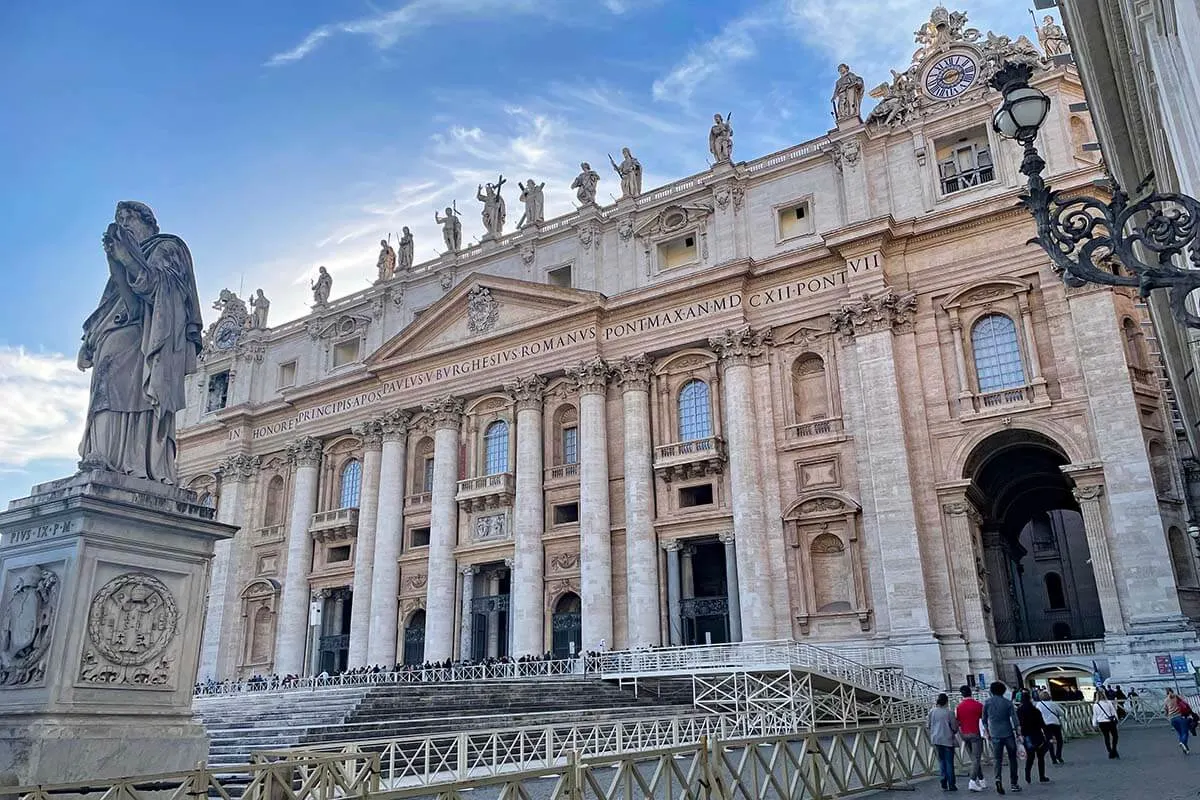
[482, 307]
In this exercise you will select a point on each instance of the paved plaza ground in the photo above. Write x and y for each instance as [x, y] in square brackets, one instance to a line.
[1151, 767]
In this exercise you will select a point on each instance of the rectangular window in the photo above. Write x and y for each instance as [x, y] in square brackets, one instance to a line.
[287, 375]
[570, 445]
[345, 352]
[338, 554]
[678, 252]
[427, 481]
[560, 277]
[795, 220]
[420, 537]
[701, 495]
[965, 161]
[218, 392]
[566, 514]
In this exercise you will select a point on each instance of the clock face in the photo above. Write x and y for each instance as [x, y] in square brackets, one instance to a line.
[951, 76]
[227, 334]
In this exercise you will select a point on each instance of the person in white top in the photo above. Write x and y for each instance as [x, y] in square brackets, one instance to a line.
[1104, 717]
[1052, 715]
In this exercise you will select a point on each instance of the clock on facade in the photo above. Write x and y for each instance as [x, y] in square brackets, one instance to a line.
[950, 76]
[226, 335]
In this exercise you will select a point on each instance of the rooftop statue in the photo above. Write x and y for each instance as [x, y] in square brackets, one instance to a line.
[585, 184]
[261, 306]
[140, 342]
[451, 228]
[847, 95]
[1052, 38]
[322, 287]
[493, 208]
[630, 172]
[720, 138]
[386, 264]
[405, 251]
[533, 196]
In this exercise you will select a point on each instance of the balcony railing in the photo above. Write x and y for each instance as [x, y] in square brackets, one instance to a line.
[1004, 398]
[691, 459]
[271, 533]
[818, 427]
[1143, 377]
[340, 523]
[487, 491]
[1071, 647]
[419, 500]
[562, 472]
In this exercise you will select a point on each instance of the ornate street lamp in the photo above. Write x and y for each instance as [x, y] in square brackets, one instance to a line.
[1118, 243]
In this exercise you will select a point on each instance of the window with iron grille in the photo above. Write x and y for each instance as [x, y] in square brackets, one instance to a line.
[351, 484]
[495, 448]
[695, 414]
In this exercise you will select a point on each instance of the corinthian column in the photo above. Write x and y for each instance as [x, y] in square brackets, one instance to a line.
[641, 555]
[595, 549]
[447, 415]
[220, 619]
[389, 524]
[305, 455]
[1089, 501]
[735, 348]
[526, 618]
[371, 434]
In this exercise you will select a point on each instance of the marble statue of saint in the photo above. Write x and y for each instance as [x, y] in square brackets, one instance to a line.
[493, 208]
[630, 171]
[322, 287]
[261, 306]
[532, 195]
[405, 251]
[1052, 38]
[386, 265]
[585, 184]
[451, 229]
[720, 138]
[140, 342]
[847, 94]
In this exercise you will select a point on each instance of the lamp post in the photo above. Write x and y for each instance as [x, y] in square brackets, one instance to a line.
[1121, 242]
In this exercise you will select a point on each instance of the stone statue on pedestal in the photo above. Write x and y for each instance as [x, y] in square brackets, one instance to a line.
[720, 138]
[261, 306]
[1052, 38]
[322, 287]
[532, 195]
[585, 184]
[493, 209]
[140, 342]
[405, 251]
[847, 94]
[451, 229]
[630, 170]
[386, 264]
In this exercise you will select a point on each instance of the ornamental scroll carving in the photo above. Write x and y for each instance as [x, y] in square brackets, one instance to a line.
[445, 412]
[527, 392]
[239, 467]
[483, 312]
[873, 314]
[26, 625]
[564, 562]
[633, 373]
[132, 621]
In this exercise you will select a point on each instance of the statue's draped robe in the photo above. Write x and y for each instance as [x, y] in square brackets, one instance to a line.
[139, 364]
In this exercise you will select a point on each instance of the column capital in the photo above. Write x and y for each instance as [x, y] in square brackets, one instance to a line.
[871, 314]
[726, 537]
[446, 412]
[738, 345]
[470, 570]
[527, 392]
[1088, 493]
[672, 546]
[305, 452]
[633, 373]
[962, 508]
[239, 467]
[590, 377]
[395, 424]
[370, 432]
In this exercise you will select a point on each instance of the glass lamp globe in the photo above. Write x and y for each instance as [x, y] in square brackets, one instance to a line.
[1022, 113]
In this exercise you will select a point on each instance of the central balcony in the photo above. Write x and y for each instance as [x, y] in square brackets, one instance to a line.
[562, 474]
[694, 459]
[487, 492]
[334, 526]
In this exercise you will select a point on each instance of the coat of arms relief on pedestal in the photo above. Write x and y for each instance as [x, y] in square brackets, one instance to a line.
[132, 621]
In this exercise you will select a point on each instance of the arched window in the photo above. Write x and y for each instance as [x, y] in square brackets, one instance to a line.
[1055, 599]
[414, 639]
[695, 414]
[810, 392]
[997, 353]
[831, 574]
[351, 483]
[1160, 469]
[1181, 557]
[566, 422]
[273, 513]
[495, 448]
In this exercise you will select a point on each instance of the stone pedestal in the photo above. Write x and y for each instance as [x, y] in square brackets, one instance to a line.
[102, 593]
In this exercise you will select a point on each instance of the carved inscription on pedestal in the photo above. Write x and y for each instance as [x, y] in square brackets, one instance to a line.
[26, 626]
[131, 622]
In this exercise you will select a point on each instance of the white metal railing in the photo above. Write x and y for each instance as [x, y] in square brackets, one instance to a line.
[1070, 647]
[740, 656]
[457, 674]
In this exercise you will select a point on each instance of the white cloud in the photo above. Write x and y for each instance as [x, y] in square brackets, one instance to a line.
[733, 44]
[43, 401]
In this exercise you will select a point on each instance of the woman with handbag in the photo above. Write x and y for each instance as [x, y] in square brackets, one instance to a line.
[1104, 717]
[1033, 731]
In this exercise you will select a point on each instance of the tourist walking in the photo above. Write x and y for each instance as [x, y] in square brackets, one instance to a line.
[1001, 727]
[1033, 731]
[1052, 716]
[1104, 717]
[1180, 714]
[942, 729]
[969, 713]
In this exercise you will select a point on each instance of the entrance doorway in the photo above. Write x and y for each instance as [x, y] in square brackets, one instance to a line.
[490, 614]
[414, 639]
[704, 607]
[333, 647]
[566, 626]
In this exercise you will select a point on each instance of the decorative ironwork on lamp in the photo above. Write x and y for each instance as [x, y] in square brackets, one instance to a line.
[1123, 242]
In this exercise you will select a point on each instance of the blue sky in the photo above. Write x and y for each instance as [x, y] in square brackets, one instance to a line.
[277, 136]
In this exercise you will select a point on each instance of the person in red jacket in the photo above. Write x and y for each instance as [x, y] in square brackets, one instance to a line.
[969, 711]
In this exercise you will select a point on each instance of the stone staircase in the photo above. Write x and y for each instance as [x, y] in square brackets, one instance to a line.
[241, 724]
